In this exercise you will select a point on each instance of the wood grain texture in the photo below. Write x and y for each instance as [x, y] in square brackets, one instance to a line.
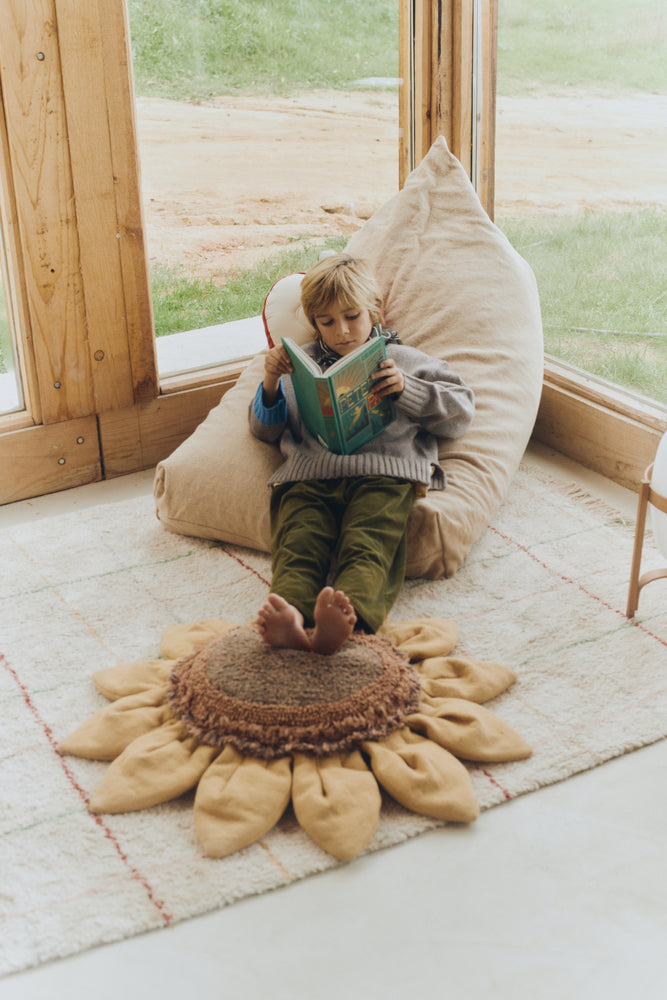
[92, 176]
[45, 209]
[140, 436]
[486, 140]
[121, 118]
[404, 91]
[38, 460]
[98, 104]
[596, 434]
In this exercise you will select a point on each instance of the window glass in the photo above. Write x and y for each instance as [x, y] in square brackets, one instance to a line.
[268, 131]
[581, 184]
[11, 397]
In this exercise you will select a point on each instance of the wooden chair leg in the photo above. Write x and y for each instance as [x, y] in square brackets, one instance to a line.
[634, 587]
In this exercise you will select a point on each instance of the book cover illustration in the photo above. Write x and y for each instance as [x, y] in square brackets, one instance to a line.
[339, 406]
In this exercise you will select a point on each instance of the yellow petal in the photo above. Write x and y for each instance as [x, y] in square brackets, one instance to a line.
[469, 731]
[132, 678]
[461, 677]
[180, 640]
[423, 777]
[106, 734]
[422, 637]
[156, 767]
[238, 800]
[337, 801]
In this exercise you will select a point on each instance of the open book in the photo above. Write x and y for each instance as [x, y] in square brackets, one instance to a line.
[339, 406]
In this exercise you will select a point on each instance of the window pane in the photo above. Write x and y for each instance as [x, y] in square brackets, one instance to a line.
[11, 396]
[268, 131]
[581, 185]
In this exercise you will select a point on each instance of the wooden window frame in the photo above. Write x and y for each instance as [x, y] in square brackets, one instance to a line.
[78, 273]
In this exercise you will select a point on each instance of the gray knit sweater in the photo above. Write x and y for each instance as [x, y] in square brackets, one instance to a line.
[435, 403]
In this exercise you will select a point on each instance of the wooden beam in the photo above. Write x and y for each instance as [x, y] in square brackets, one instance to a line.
[451, 76]
[486, 125]
[461, 82]
[140, 436]
[45, 211]
[442, 69]
[405, 63]
[422, 79]
[453, 50]
[91, 85]
[121, 117]
[38, 460]
[599, 426]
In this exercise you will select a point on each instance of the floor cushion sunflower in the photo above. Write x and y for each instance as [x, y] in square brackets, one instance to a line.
[253, 729]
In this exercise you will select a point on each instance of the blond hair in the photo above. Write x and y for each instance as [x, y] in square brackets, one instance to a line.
[343, 280]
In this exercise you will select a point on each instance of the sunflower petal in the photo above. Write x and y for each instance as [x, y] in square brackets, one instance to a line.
[468, 730]
[460, 677]
[106, 734]
[238, 800]
[422, 637]
[181, 640]
[133, 678]
[337, 802]
[156, 767]
[423, 777]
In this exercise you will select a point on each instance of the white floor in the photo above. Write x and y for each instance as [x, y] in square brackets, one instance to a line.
[560, 894]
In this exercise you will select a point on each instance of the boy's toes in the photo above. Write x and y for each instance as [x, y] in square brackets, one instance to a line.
[325, 597]
[344, 605]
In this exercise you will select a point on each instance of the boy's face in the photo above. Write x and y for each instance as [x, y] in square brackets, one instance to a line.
[343, 330]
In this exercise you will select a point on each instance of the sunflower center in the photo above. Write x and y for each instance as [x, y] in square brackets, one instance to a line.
[246, 668]
[270, 702]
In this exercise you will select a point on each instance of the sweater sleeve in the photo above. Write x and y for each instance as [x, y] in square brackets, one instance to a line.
[436, 398]
[268, 422]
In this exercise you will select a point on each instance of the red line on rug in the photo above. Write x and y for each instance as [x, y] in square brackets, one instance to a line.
[108, 832]
[276, 862]
[580, 586]
[245, 565]
[494, 781]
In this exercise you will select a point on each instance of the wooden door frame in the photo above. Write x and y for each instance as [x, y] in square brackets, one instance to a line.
[73, 229]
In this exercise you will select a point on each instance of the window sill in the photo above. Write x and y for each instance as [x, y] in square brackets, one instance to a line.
[609, 430]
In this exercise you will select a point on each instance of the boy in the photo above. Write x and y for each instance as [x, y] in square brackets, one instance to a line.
[349, 509]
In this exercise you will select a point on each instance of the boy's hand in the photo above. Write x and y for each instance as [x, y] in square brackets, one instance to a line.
[276, 363]
[388, 380]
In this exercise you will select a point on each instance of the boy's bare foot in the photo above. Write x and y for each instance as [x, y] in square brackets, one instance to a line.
[334, 621]
[281, 624]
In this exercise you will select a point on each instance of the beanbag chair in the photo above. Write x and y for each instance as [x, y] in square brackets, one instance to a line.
[453, 287]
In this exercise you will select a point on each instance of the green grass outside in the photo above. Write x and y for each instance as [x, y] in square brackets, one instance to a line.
[199, 49]
[613, 46]
[5, 335]
[594, 272]
[602, 273]
[183, 302]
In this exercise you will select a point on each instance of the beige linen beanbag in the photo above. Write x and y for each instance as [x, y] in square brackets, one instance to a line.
[454, 288]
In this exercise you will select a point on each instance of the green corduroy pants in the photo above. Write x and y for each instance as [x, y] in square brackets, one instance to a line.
[354, 526]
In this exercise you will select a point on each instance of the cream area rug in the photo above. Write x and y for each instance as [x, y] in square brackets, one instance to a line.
[543, 592]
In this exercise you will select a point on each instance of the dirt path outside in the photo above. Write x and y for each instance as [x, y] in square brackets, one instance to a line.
[226, 184]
